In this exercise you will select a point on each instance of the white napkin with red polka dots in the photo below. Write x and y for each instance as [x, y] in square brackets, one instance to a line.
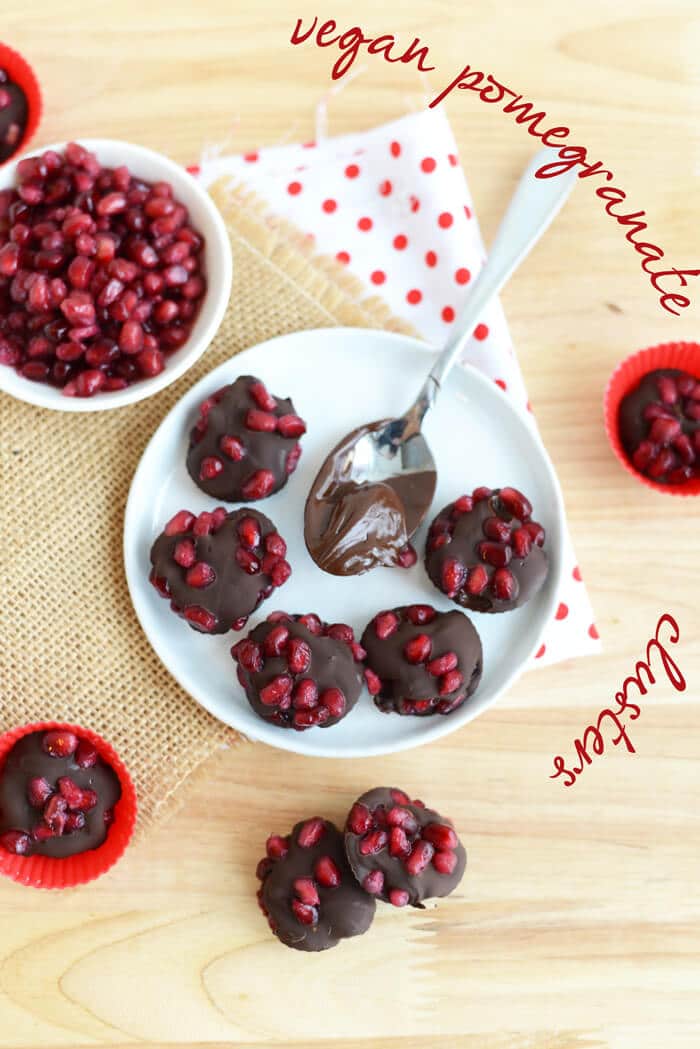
[393, 205]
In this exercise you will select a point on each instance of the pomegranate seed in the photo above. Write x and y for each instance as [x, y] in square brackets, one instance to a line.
[373, 882]
[360, 819]
[327, 873]
[249, 655]
[522, 543]
[306, 915]
[440, 835]
[341, 632]
[536, 532]
[263, 422]
[200, 575]
[398, 897]
[685, 384]
[385, 624]
[504, 584]
[421, 855]
[419, 615]
[111, 204]
[39, 790]
[680, 475]
[277, 689]
[310, 621]
[407, 556]
[692, 410]
[280, 573]
[43, 833]
[450, 682]
[76, 798]
[55, 812]
[306, 891]
[16, 841]
[232, 447]
[495, 528]
[311, 832]
[298, 656]
[151, 362]
[479, 494]
[663, 431]
[290, 426]
[276, 641]
[275, 544]
[661, 465]
[418, 649]
[464, 505]
[399, 845]
[247, 561]
[667, 388]
[263, 868]
[303, 719]
[656, 411]
[184, 553]
[333, 699]
[402, 817]
[305, 695]
[160, 584]
[400, 796]
[86, 755]
[259, 485]
[445, 862]
[181, 522]
[277, 847]
[684, 447]
[373, 842]
[263, 399]
[494, 554]
[453, 576]
[202, 619]
[443, 664]
[374, 684]
[59, 743]
[292, 460]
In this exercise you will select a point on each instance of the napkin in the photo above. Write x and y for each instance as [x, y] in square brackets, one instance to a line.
[392, 204]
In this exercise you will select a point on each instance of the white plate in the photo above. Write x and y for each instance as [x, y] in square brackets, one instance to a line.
[339, 378]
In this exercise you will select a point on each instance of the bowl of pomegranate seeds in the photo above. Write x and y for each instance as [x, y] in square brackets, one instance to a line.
[67, 805]
[652, 416]
[115, 274]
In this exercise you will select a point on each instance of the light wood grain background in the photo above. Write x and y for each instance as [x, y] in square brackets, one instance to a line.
[577, 923]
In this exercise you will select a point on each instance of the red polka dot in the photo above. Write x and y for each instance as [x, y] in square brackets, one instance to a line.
[414, 296]
[452, 159]
[427, 165]
[193, 169]
[593, 632]
[448, 314]
[329, 205]
[430, 258]
[445, 220]
[364, 224]
[529, 406]
[414, 202]
[308, 145]
[577, 574]
[395, 149]
[467, 211]
[400, 242]
[294, 188]
[480, 332]
[378, 277]
[562, 611]
[250, 157]
[540, 651]
[385, 187]
[352, 171]
[500, 382]
[463, 276]
[343, 257]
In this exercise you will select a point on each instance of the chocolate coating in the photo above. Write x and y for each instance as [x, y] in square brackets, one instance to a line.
[13, 116]
[224, 415]
[330, 663]
[413, 688]
[235, 591]
[456, 536]
[343, 911]
[27, 760]
[383, 804]
[351, 527]
[634, 428]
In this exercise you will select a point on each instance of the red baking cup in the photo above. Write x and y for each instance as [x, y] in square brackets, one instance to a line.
[682, 355]
[19, 71]
[47, 872]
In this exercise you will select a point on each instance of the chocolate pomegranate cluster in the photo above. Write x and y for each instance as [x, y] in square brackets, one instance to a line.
[484, 551]
[101, 274]
[57, 796]
[660, 426]
[319, 886]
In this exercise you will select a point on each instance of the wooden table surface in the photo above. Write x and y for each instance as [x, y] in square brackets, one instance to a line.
[577, 922]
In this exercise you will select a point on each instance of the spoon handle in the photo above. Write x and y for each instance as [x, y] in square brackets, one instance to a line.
[533, 206]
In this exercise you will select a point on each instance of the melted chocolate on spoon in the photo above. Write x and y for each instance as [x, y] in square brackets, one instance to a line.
[350, 528]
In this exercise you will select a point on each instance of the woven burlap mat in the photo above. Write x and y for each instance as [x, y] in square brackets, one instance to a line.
[70, 645]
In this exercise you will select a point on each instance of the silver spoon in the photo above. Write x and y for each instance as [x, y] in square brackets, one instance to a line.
[394, 452]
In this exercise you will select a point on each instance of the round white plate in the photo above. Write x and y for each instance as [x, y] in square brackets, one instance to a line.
[339, 378]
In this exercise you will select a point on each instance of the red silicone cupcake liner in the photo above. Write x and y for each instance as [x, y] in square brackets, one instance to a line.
[682, 355]
[47, 872]
[19, 71]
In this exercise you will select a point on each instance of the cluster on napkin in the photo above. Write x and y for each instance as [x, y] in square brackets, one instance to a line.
[393, 206]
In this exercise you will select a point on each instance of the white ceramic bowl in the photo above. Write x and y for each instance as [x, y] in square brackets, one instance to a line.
[218, 267]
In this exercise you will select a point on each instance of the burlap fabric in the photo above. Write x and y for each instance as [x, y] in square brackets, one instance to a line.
[70, 645]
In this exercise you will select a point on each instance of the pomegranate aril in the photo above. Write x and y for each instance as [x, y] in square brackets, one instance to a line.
[311, 833]
[292, 460]
[479, 494]
[305, 696]
[452, 576]
[373, 882]
[263, 422]
[421, 855]
[522, 543]
[442, 664]
[407, 556]
[247, 561]
[341, 632]
[399, 845]
[496, 529]
[385, 624]
[683, 445]
[200, 575]
[259, 485]
[536, 532]
[55, 812]
[692, 410]
[450, 682]
[306, 891]
[373, 842]
[200, 617]
[685, 384]
[275, 544]
[663, 431]
[298, 656]
[16, 842]
[277, 847]
[39, 790]
[464, 505]
[263, 399]
[86, 755]
[494, 554]
[398, 897]
[656, 411]
[504, 584]
[360, 819]
[276, 641]
[59, 743]
[275, 690]
[515, 503]
[327, 873]
[445, 862]
[182, 521]
[291, 426]
[232, 447]
[280, 573]
[76, 797]
[418, 649]
[680, 475]
[306, 914]
[668, 391]
[333, 700]
[662, 464]
[373, 682]
[440, 835]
